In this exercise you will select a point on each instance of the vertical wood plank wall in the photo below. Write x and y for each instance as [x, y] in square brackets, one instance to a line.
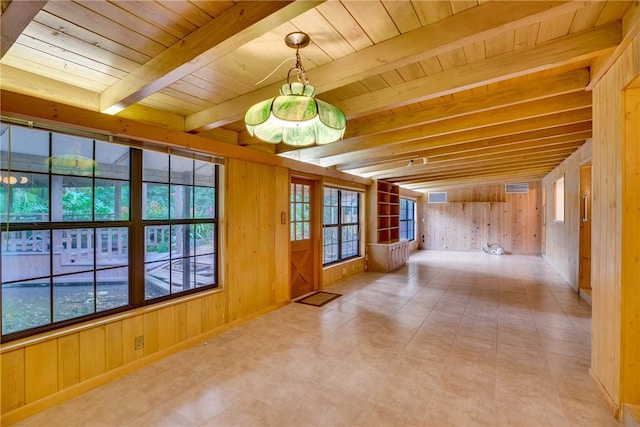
[40, 371]
[631, 247]
[615, 189]
[476, 216]
[562, 246]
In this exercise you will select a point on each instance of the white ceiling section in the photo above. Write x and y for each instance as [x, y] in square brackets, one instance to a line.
[471, 91]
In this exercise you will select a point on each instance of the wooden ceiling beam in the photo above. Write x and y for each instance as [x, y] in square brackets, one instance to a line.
[554, 53]
[487, 132]
[400, 168]
[365, 165]
[472, 164]
[233, 28]
[453, 32]
[512, 113]
[538, 168]
[19, 106]
[444, 185]
[15, 19]
[509, 174]
[507, 95]
[560, 134]
[630, 29]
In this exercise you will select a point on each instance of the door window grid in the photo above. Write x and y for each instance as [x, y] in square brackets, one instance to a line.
[300, 207]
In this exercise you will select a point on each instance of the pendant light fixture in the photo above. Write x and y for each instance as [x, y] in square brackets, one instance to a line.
[296, 117]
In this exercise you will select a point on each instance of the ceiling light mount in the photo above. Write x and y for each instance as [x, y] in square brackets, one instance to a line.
[297, 40]
[296, 117]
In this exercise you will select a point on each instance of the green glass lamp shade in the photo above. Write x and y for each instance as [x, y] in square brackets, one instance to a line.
[296, 118]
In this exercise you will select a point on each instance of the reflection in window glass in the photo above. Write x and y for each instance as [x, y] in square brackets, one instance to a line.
[28, 202]
[187, 210]
[17, 246]
[29, 149]
[71, 155]
[112, 160]
[65, 207]
[35, 294]
[73, 296]
[112, 288]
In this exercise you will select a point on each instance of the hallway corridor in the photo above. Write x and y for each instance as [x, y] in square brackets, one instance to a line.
[451, 339]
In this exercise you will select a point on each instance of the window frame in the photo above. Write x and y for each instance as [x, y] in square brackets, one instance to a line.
[341, 226]
[559, 200]
[407, 221]
[133, 227]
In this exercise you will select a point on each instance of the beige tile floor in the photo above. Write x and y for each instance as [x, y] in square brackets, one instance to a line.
[451, 339]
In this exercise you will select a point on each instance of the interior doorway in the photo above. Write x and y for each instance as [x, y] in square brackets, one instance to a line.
[302, 235]
[585, 230]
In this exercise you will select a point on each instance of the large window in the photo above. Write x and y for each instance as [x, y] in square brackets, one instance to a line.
[407, 219]
[68, 219]
[341, 227]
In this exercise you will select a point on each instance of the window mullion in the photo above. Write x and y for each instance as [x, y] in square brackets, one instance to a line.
[136, 231]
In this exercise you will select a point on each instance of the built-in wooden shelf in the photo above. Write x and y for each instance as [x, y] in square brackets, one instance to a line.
[388, 208]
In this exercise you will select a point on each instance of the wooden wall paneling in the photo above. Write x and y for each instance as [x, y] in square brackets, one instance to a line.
[614, 304]
[333, 274]
[605, 294]
[113, 343]
[282, 238]
[92, 352]
[166, 327]
[562, 240]
[206, 315]
[12, 364]
[250, 241]
[180, 325]
[194, 317]
[132, 327]
[488, 216]
[151, 331]
[631, 248]
[217, 314]
[41, 370]
[68, 360]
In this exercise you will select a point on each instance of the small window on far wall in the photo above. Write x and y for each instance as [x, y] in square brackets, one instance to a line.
[558, 214]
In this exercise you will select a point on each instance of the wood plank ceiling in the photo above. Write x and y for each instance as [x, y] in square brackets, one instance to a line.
[438, 94]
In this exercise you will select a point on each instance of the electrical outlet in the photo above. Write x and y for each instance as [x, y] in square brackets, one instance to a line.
[139, 342]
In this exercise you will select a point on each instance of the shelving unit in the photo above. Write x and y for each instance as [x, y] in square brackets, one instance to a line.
[388, 207]
[385, 250]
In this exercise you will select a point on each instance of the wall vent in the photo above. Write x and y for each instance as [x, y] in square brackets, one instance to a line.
[516, 188]
[437, 197]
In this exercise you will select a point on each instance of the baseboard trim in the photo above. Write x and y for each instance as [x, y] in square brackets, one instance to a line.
[57, 398]
[608, 401]
[631, 415]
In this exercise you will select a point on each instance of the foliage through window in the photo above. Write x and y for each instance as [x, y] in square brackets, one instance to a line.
[178, 210]
[300, 211]
[67, 226]
[341, 225]
[407, 219]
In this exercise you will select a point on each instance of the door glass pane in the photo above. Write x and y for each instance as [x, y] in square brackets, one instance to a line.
[300, 211]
